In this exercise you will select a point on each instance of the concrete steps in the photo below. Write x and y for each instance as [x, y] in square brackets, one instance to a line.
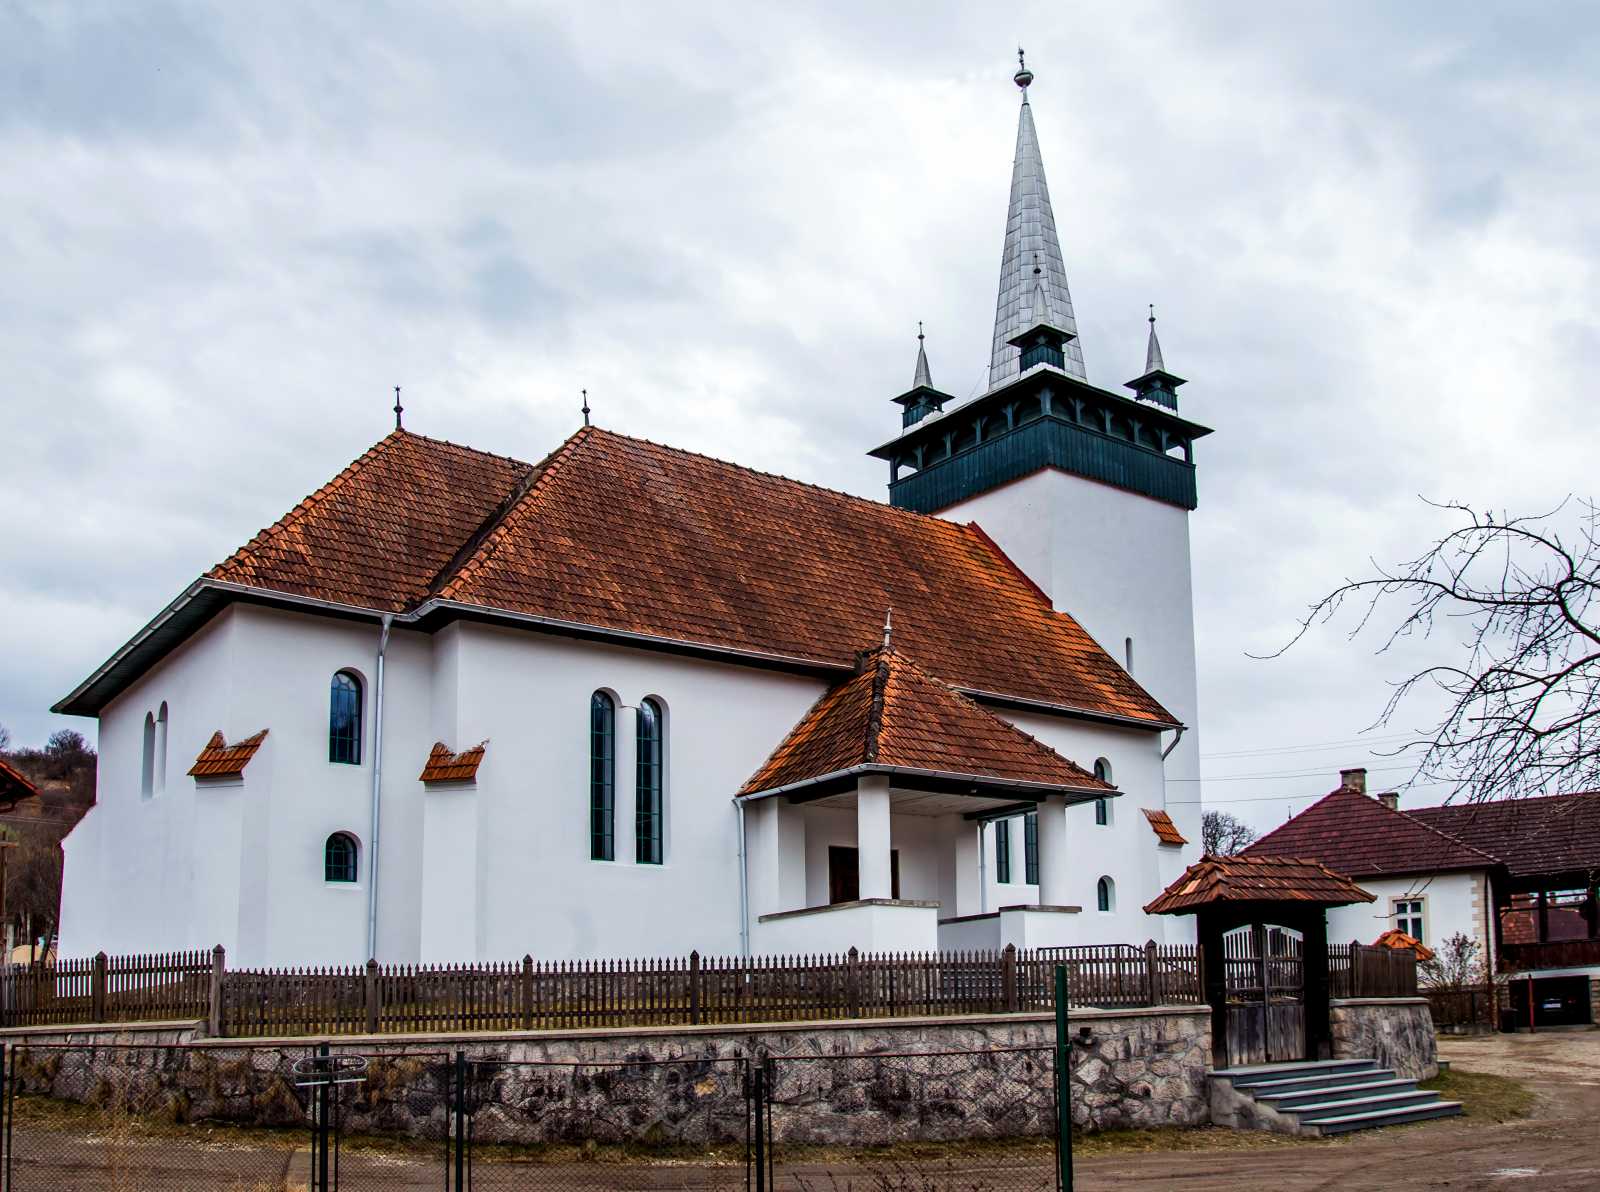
[1317, 1097]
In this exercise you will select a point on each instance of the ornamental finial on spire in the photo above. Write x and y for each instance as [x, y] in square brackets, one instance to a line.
[923, 377]
[1024, 76]
[1152, 351]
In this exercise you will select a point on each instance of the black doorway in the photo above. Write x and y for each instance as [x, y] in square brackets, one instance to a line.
[844, 873]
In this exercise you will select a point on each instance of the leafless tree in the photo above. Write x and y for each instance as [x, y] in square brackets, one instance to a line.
[1223, 835]
[1522, 700]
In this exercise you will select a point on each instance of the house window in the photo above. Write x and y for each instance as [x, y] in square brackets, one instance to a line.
[147, 759]
[1030, 848]
[1102, 807]
[1408, 917]
[602, 776]
[648, 742]
[1105, 895]
[1002, 851]
[344, 719]
[339, 858]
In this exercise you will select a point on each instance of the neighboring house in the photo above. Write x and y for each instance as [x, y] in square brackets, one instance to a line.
[1518, 876]
[633, 701]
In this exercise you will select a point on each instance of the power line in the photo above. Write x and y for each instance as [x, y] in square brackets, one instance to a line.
[1277, 798]
[1313, 746]
[1261, 776]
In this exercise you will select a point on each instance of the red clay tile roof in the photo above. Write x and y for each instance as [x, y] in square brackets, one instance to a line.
[1400, 941]
[444, 766]
[629, 535]
[626, 535]
[1532, 837]
[893, 715]
[1211, 881]
[383, 530]
[1355, 834]
[1161, 823]
[221, 760]
[15, 786]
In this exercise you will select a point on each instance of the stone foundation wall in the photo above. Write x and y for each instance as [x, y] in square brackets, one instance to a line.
[850, 1082]
[1397, 1032]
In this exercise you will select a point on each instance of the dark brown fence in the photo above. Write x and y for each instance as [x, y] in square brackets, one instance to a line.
[543, 995]
[144, 988]
[1359, 970]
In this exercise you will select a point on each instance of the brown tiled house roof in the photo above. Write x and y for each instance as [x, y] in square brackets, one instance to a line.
[619, 535]
[221, 760]
[893, 716]
[15, 786]
[1551, 834]
[1161, 824]
[1355, 834]
[1214, 880]
[444, 766]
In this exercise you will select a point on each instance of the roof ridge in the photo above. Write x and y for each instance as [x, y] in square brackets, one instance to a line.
[486, 547]
[875, 709]
[967, 701]
[1440, 832]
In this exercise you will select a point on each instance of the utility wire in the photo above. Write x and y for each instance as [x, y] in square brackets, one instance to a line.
[1315, 746]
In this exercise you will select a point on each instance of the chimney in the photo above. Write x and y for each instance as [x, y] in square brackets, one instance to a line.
[1354, 780]
[1390, 799]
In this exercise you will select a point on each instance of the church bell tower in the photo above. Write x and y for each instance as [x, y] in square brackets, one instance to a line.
[1087, 490]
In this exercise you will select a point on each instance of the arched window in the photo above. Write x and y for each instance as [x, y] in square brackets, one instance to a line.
[1127, 651]
[602, 776]
[344, 719]
[648, 742]
[147, 758]
[339, 858]
[1102, 807]
[1105, 895]
[160, 782]
[1030, 848]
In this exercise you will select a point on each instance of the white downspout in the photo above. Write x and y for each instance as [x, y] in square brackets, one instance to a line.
[377, 791]
[744, 891]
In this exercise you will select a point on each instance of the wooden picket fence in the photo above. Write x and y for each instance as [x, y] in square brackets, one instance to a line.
[543, 995]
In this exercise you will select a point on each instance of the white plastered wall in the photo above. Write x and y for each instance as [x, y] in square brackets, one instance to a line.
[1452, 904]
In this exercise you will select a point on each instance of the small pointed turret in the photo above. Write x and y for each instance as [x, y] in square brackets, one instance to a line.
[1157, 384]
[1041, 340]
[922, 398]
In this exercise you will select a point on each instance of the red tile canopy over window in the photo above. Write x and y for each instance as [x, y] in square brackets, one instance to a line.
[221, 760]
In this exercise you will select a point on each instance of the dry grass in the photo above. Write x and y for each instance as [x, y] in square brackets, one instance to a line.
[1483, 1095]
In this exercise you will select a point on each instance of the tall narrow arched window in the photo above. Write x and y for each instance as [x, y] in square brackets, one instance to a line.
[1030, 848]
[1102, 806]
[339, 858]
[1105, 895]
[160, 780]
[602, 777]
[344, 719]
[648, 743]
[147, 758]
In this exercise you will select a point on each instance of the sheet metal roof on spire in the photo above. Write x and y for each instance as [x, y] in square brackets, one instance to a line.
[924, 375]
[1152, 351]
[1030, 235]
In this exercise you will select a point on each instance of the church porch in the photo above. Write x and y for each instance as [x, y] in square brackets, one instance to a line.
[898, 864]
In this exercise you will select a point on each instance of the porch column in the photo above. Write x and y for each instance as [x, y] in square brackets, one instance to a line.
[1053, 869]
[872, 836]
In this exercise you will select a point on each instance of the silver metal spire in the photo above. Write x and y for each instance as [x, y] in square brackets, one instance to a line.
[924, 376]
[1030, 238]
[1152, 352]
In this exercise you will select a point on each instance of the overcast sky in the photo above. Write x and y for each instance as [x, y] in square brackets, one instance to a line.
[1370, 230]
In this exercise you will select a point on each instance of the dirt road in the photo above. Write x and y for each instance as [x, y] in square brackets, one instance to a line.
[1556, 1149]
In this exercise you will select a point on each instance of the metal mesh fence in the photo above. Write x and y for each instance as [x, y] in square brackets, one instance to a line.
[676, 1123]
[977, 1121]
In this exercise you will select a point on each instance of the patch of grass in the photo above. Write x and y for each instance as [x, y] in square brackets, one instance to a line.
[1483, 1095]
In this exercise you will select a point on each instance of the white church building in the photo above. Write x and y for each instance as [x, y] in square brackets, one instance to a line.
[632, 701]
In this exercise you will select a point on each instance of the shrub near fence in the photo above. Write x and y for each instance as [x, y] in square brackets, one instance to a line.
[535, 995]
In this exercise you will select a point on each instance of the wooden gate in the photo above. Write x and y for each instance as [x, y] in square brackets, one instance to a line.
[1265, 980]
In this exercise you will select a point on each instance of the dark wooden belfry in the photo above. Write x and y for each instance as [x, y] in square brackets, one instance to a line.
[1267, 985]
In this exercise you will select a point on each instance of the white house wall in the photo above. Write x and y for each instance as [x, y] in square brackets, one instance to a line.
[1453, 905]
